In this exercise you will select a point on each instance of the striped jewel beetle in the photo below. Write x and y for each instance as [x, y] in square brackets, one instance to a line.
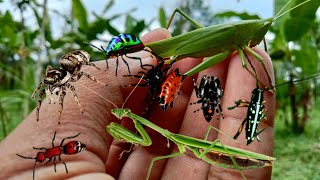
[121, 45]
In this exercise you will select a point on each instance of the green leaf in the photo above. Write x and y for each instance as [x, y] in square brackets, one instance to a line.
[162, 18]
[112, 30]
[80, 14]
[130, 23]
[307, 56]
[301, 20]
[108, 6]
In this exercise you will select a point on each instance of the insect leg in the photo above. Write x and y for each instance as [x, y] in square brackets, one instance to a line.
[90, 77]
[125, 62]
[117, 65]
[39, 103]
[54, 164]
[34, 169]
[54, 136]
[137, 58]
[219, 110]
[48, 161]
[256, 134]
[73, 90]
[70, 137]
[196, 89]
[107, 63]
[244, 65]
[202, 155]
[153, 53]
[42, 148]
[240, 129]
[178, 10]
[240, 103]
[260, 59]
[181, 148]
[65, 165]
[126, 151]
[169, 66]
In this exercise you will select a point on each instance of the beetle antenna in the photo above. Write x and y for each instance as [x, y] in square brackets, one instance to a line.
[100, 49]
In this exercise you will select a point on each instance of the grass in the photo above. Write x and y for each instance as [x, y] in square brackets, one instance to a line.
[298, 155]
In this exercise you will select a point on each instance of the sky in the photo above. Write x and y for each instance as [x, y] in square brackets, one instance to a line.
[146, 9]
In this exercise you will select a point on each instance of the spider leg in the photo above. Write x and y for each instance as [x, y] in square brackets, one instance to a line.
[80, 74]
[62, 95]
[92, 64]
[39, 103]
[73, 90]
[37, 89]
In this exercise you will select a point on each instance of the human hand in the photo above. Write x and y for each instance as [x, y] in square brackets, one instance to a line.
[102, 155]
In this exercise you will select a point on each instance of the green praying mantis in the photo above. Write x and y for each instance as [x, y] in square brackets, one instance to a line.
[214, 153]
[217, 42]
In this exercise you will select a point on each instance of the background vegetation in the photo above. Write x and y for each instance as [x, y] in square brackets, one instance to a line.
[25, 52]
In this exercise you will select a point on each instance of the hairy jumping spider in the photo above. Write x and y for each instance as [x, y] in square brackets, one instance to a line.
[58, 79]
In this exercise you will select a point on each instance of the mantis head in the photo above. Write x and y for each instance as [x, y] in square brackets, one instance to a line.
[120, 113]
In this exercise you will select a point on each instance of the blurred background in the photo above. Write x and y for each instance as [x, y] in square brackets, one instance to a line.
[36, 33]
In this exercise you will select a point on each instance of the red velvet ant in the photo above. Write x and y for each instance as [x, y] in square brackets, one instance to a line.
[72, 147]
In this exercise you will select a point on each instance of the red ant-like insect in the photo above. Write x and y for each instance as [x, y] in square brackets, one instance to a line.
[72, 147]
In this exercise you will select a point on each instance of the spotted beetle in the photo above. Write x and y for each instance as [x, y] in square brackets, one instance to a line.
[210, 93]
[169, 89]
[255, 114]
[121, 45]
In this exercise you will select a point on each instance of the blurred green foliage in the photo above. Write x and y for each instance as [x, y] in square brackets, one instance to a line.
[25, 52]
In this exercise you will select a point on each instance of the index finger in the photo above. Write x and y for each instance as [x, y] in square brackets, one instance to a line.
[239, 85]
